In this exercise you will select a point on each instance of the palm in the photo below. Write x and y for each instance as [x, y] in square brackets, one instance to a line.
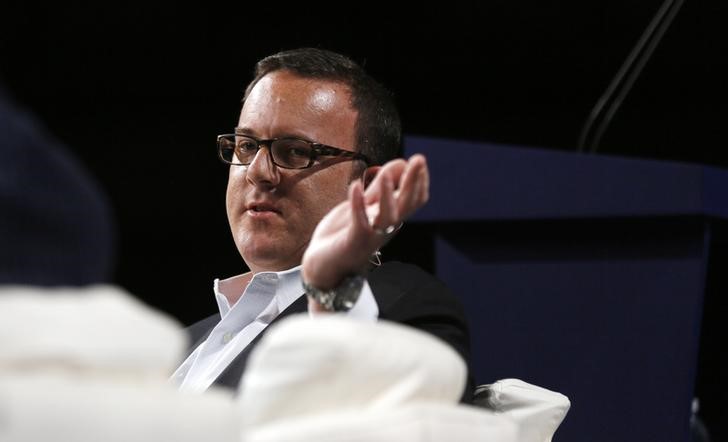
[348, 235]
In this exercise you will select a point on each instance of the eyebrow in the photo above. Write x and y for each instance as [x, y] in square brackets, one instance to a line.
[243, 130]
[251, 133]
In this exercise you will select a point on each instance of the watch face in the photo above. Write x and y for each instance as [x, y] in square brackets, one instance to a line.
[343, 303]
[340, 299]
[348, 293]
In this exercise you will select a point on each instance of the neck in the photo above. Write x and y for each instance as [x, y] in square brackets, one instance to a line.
[233, 289]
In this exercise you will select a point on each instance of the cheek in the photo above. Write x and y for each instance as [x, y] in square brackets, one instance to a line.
[234, 192]
[325, 196]
[308, 200]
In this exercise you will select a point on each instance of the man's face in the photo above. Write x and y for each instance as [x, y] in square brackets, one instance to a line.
[273, 211]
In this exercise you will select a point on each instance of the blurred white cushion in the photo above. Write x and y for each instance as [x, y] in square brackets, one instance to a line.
[416, 422]
[336, 379]
[89, 365]
[92, 328]
[537, 411]
[306, 366]
[66, 408]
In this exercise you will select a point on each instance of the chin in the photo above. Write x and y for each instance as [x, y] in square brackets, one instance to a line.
[267, 258]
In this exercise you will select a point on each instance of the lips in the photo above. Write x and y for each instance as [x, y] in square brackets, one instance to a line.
[262, 207]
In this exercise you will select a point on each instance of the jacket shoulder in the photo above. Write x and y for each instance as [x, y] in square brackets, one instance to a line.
[401, 275]
[401, 285]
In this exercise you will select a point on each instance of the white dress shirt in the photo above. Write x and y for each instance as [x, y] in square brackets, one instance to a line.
[263, 299]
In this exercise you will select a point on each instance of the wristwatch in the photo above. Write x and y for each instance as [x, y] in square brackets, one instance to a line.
[339, 299]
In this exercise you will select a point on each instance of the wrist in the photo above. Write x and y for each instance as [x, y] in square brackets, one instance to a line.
[342, 297]
[324, 279]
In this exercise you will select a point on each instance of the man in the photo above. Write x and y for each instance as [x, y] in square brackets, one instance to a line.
[313, 192]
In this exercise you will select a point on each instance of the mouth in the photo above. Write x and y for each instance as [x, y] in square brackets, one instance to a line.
[262, 208]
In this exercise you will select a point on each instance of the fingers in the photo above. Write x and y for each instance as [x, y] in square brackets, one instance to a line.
[388, 213]
[394, 169]
[400, 188]
[358, 209]
[413, 190]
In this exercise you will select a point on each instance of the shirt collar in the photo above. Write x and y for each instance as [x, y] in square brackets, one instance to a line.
[284, 286]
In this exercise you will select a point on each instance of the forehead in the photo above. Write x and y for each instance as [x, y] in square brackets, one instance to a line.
[284, 88]
[282, 103]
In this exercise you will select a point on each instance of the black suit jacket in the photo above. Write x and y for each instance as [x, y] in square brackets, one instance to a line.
[404, 293]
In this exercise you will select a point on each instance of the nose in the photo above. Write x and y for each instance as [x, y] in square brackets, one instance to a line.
[262, 172]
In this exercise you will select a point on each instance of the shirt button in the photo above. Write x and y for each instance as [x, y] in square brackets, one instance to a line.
[227, 337]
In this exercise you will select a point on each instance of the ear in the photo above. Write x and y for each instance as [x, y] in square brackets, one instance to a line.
[369, 175]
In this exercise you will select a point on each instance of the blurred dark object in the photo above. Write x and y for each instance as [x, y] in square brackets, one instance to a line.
[56, 227]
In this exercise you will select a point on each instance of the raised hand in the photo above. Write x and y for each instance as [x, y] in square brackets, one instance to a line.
[353, 230]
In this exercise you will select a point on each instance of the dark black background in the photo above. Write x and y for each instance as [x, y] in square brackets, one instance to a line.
[139, 91]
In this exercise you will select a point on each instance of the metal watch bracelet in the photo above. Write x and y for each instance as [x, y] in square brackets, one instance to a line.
[339, 299]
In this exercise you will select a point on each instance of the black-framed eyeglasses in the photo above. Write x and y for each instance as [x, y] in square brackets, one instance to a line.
[288, 153]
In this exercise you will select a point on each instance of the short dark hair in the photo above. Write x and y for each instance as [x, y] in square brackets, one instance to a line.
[378, 127]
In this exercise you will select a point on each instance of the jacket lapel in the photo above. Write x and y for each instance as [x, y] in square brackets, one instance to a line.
[230, 377]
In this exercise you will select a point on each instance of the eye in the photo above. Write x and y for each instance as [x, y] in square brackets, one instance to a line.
[292, 153]
[246, 145]
[296, 151]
